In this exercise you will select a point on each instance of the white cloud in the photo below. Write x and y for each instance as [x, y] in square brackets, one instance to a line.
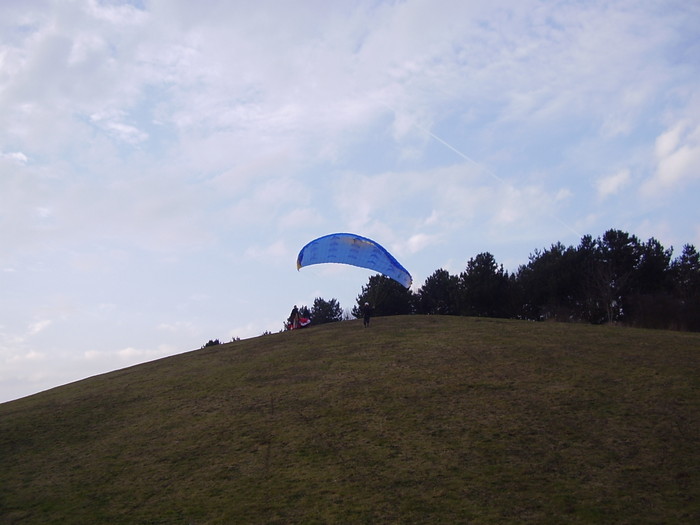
[421, 241]
[93, 355]
[275, 251]
[39, 326]
[563, 194]
[300, 217]
[26, 356]
[613, 184]
[118, 14]
[16, 156]
[179, 327]
[677, 158]
[112, 124]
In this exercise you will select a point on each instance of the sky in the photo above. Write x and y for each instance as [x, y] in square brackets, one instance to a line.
[162, 162]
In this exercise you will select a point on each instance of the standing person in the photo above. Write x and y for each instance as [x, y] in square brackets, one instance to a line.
[294, 318]
[366, 313]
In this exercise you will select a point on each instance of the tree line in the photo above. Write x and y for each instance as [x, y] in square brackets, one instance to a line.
[615, 278]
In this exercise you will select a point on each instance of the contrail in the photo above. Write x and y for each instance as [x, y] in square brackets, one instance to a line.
[482, 167]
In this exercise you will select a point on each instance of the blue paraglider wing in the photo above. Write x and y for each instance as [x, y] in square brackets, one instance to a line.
[347, 248]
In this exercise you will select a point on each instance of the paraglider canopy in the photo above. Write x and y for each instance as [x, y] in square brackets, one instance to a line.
[348, 248]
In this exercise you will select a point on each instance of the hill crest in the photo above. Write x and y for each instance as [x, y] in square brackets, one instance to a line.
[416, 419]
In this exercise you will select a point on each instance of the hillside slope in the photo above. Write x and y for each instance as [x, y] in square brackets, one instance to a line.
[416, 419]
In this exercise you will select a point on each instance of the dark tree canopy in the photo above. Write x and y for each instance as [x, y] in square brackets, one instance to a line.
[484, 288]
[386, 296]
[439, 295]
[685, 283]
[326, 311]
[615, 278]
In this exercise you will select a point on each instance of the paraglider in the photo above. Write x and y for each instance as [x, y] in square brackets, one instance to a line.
[348, 248]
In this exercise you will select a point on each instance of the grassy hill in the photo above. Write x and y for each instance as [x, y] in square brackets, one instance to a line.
[414, 420]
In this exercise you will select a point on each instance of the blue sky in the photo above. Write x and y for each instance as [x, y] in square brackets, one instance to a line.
[162, 162]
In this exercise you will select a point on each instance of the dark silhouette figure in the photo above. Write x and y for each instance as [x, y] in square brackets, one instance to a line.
[294, 318]
[366, 314]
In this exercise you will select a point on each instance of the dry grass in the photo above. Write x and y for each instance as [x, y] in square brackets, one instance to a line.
[415, 420]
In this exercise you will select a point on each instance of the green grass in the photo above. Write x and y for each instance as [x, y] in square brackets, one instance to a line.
[415, 420]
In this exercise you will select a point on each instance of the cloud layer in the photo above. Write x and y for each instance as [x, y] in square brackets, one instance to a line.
[161, 163]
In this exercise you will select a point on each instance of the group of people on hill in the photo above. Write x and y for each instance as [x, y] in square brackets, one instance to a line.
[295, 321]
